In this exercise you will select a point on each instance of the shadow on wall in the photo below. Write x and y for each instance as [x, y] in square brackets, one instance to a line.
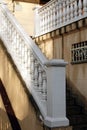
[79, 97]
[8, 120]
[9, 112]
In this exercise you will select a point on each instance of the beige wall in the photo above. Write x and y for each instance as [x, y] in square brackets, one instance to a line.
[51, 46]
[57, 51]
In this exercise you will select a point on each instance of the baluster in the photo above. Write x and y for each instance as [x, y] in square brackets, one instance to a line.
[17, 43]
[32, 67]
[10, 31]
[20, 50]
[36, 75]
[14, 40]
[60, 9]
[7, 26]
[64, 12]
[80, 7]
[54, 14]
[46, 21]
[28, 61]
[47, 18]
[50, 25]
[43, 20]
[58, 15]
[22, 53]
[40, 78]
[25, 56]
[50, 18]
[85, 7]
[11, 37]
[75, 9]
[56, 9]
[44, 87]
[72, 10]
[67, 15]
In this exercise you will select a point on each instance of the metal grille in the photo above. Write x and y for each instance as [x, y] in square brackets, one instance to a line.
[79, 52]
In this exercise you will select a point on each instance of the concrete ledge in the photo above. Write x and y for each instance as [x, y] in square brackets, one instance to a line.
[55, 62]
[57, 122]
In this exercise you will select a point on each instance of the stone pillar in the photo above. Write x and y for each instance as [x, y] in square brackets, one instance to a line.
[56, 94]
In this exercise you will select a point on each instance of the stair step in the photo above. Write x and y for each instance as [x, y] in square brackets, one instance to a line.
[77, 119]
[70, 102]
[80, 127]
[74, 110]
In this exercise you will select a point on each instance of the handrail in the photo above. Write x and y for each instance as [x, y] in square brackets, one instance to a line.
[40, 75]
[58, 13]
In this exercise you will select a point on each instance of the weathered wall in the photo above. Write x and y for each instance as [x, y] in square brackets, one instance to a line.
[62, 40]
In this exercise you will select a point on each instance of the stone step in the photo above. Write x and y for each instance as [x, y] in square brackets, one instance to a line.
[77, 119]
[80, 127]
[70, 102]
[74, 110]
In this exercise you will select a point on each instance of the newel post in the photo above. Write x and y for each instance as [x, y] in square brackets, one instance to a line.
[56, 94]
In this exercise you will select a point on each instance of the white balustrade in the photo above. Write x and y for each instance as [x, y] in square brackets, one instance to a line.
[45, 80]
[58, 13]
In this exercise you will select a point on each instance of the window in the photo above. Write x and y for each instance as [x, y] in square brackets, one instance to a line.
[79, 52]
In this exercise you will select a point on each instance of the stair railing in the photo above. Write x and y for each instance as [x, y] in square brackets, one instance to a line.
[58, 13]
[45, 79]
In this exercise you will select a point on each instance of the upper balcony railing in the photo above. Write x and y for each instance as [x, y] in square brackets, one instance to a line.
[45, 79]
[58, 13]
